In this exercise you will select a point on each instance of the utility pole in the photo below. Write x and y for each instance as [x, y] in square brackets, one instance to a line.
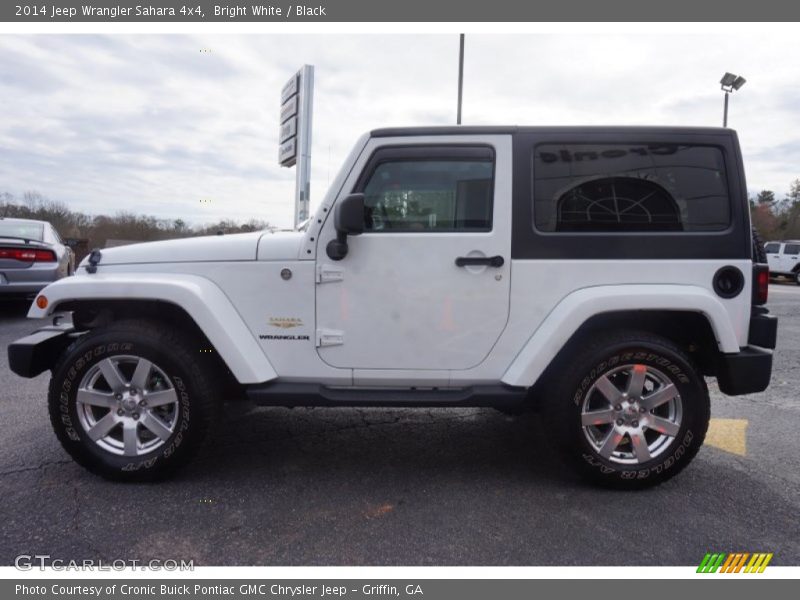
[725, 112]
[460, 77]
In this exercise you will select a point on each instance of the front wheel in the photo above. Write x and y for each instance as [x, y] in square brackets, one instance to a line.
[632, 412]
[131, 401]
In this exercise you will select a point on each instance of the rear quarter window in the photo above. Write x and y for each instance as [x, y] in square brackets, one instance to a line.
[629, 187]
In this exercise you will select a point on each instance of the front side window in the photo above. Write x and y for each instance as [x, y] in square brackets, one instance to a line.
[418, 195]
[629, 187]
[792, 249]
[772, 248]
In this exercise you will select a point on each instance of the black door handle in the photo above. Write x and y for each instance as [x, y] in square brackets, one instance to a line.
[491, 261]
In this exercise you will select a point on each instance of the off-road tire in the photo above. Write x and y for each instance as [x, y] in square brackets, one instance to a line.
[566, 389]
[191, 375]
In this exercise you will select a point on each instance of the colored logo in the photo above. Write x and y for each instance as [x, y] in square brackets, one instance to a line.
[285, 323]
[738, 562]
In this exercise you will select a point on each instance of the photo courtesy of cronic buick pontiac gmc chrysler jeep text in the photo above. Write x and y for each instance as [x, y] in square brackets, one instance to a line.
[597, 275]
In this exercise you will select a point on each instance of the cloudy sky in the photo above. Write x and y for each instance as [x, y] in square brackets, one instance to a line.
[152, 124]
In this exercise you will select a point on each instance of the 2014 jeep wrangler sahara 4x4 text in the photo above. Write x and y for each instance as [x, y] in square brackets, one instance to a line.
[596, 274]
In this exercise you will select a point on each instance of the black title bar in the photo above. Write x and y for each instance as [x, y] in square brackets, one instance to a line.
[393, 10]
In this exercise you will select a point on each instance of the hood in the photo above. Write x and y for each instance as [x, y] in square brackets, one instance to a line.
[239, 246]
[261, 245]
[280, 245]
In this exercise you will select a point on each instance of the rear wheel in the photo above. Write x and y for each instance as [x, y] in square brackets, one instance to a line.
[132, 401]
[633, 412]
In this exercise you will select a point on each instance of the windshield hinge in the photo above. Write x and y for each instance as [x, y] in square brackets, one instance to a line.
[329, 273]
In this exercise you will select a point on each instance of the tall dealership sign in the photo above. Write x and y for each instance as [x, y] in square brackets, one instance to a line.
[294, 137]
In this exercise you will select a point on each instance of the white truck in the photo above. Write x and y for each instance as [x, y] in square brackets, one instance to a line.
[783, 259]
[597, 275]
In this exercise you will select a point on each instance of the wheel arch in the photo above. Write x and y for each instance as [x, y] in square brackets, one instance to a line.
[692, 318]
[179, 300]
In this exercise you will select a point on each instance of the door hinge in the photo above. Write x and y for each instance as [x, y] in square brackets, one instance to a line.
[329, 273]
[329, 337]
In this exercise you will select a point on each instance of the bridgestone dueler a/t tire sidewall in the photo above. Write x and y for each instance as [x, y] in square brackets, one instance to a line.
[563, 406]
[173, 354]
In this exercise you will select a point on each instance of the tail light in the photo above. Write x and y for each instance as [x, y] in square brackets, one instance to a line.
[760, 284]
[28, 254]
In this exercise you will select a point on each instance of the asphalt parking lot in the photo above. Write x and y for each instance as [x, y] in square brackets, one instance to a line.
[406, 486]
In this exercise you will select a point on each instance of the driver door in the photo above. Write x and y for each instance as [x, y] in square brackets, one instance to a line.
[426, 286]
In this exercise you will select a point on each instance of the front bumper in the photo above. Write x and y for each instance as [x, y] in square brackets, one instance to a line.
[38, 352]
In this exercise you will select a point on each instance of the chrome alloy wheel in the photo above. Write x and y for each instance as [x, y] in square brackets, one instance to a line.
[127, 405]
[631, 414]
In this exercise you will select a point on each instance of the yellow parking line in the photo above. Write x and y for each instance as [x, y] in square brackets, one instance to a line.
[729, 435]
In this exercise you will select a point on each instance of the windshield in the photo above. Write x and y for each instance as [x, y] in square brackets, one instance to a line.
[22, 229]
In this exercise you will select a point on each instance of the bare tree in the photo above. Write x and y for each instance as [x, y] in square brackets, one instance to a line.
[124, 225]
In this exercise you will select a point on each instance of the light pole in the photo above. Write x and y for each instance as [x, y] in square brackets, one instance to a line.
[460, 76]
[730, 83]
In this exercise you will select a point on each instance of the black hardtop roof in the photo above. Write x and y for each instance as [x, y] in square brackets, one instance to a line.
[511, 129]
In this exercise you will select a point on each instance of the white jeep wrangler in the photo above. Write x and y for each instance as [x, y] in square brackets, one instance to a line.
[595, 274]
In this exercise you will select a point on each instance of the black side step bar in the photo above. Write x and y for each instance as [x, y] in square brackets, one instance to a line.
[311, 394]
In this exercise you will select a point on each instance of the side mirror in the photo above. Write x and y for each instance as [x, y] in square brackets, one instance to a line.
[348, 219]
